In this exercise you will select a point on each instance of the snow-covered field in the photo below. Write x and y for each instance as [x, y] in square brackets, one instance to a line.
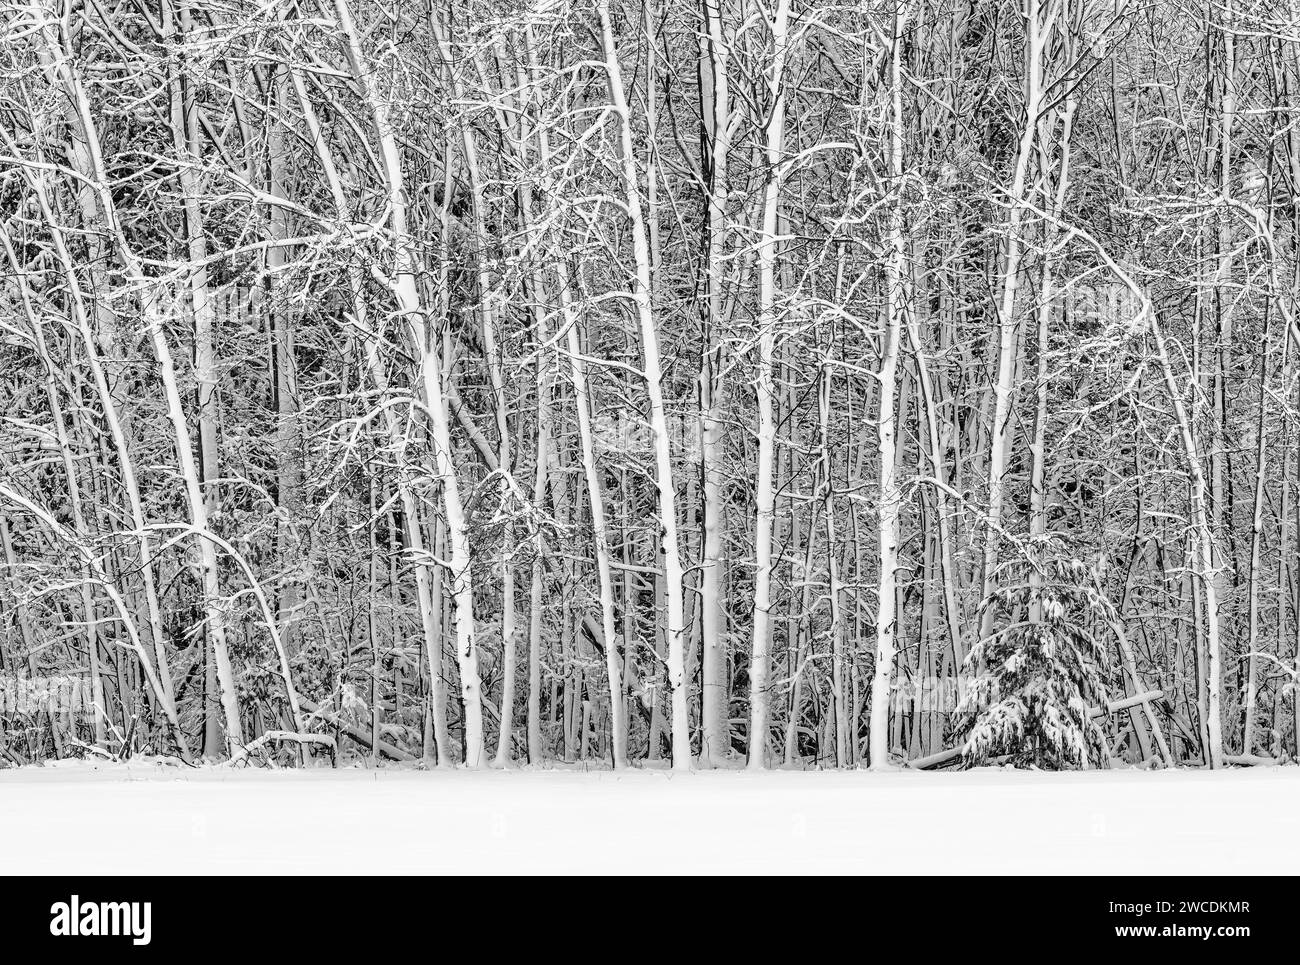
[141, 819]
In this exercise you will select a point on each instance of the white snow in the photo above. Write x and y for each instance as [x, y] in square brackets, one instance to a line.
[147, 819]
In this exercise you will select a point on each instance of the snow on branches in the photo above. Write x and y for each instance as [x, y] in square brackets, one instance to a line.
[1038, 675]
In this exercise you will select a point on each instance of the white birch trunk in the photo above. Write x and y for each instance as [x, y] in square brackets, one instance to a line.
[667, 497]
[407, 295]
[760, 654]
[890, 495]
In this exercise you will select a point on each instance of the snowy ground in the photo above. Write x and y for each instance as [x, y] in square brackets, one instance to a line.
[140, 819]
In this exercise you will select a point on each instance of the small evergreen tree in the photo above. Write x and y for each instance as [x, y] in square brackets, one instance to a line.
[1041, 672]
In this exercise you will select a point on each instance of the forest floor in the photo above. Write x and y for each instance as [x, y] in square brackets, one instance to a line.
[87, 818]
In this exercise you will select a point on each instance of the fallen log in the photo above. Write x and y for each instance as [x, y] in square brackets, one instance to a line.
[1250, 760]
[356, 733]
[1116, 706]
[934, 760]
[288, 735]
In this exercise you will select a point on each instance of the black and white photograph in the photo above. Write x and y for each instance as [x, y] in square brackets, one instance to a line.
[645, 438]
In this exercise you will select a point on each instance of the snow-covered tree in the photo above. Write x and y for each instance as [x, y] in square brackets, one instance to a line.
[1042, 673]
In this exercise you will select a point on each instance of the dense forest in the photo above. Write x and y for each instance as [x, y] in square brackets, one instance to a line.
[709, 382]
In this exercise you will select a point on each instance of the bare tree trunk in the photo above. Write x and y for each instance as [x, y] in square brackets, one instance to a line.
[715, 739]
[896, 308]
[640, 299]
[760, 659]
[1038, 25]
[406, 293]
